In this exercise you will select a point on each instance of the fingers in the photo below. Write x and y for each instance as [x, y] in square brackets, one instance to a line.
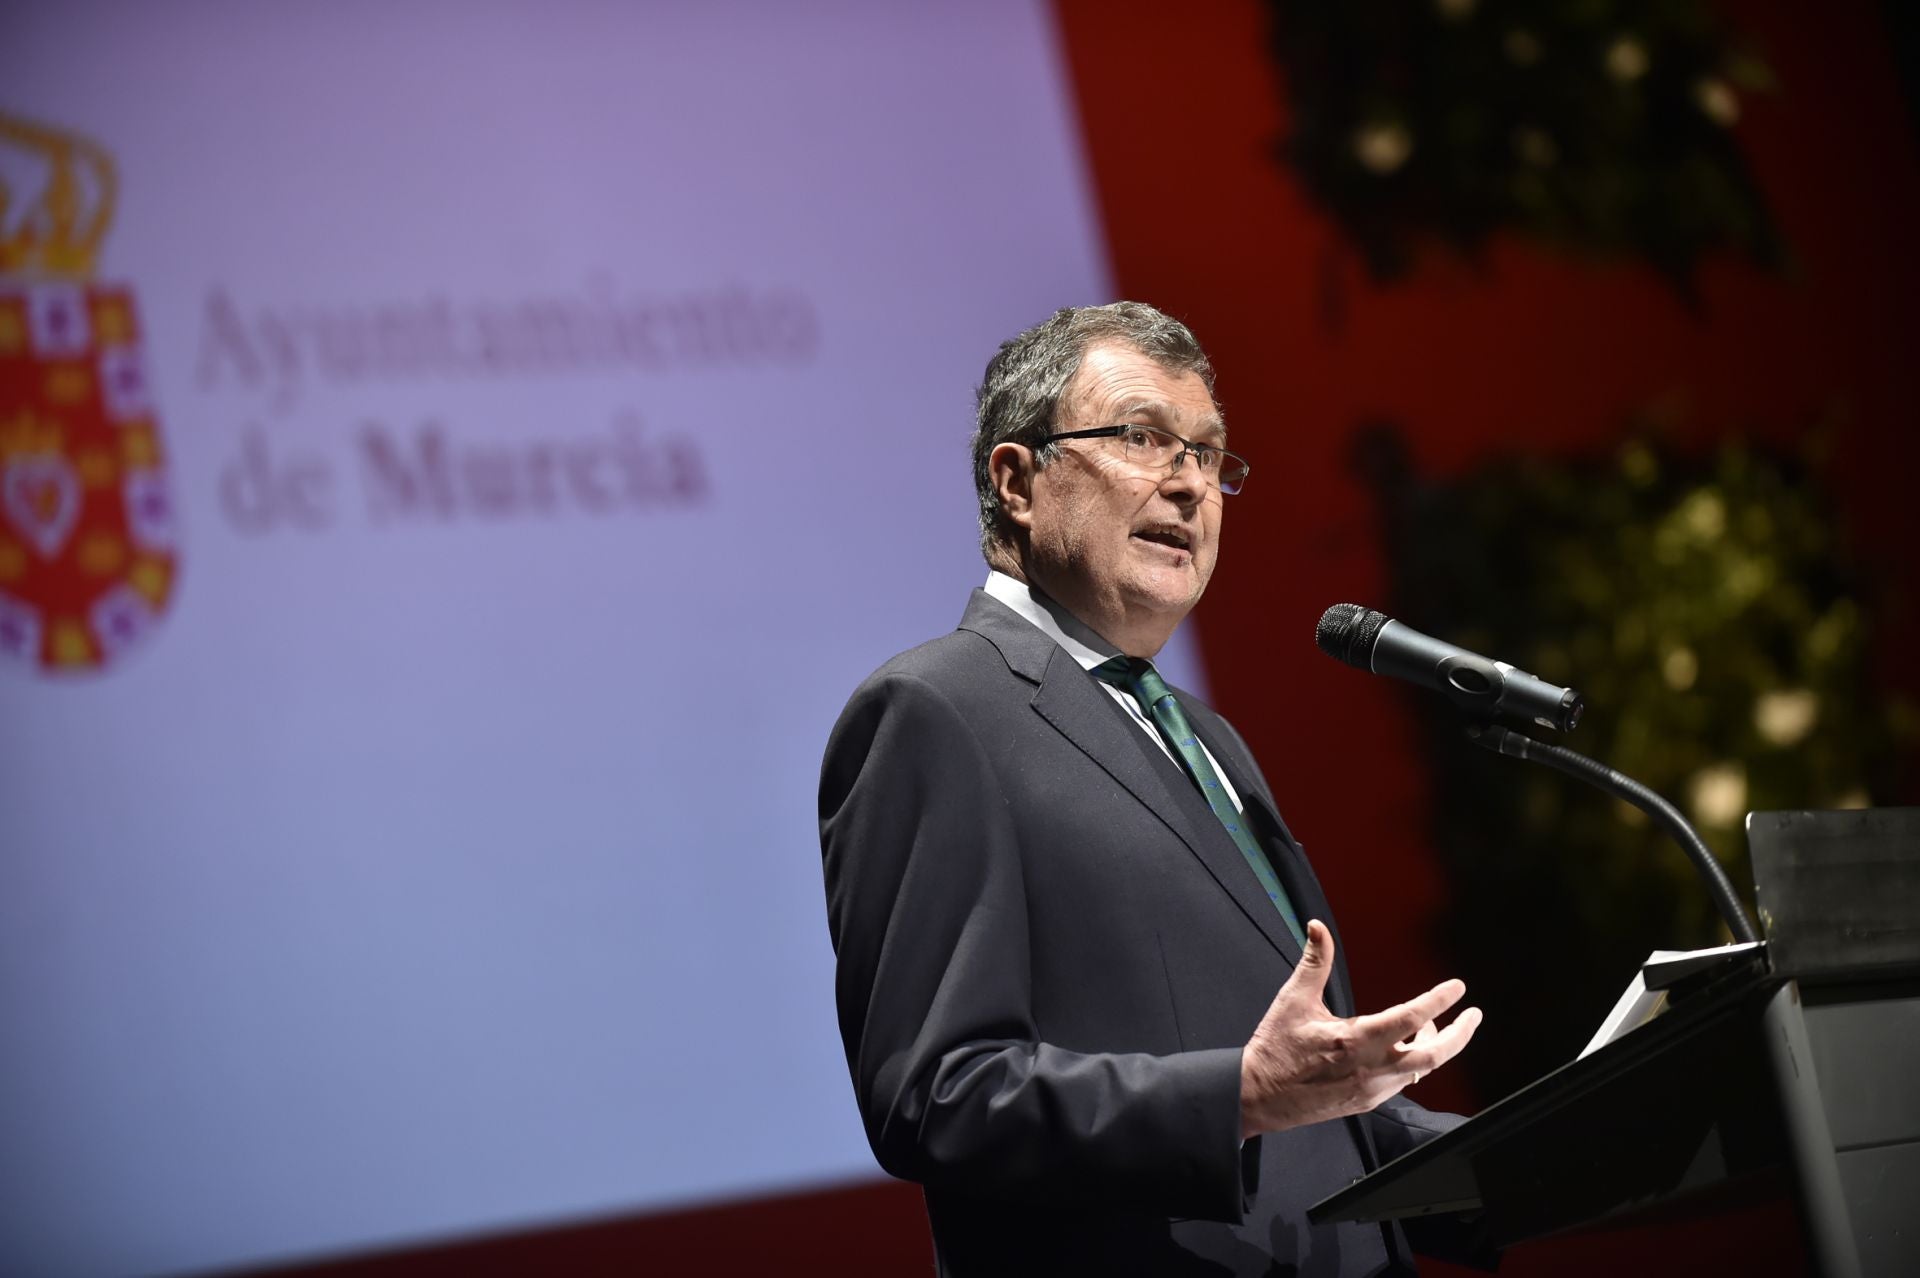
[1318, 951]
[1304, 1064]
[1397, 1023]
[1309, 979]
[1421, 1037]
[1446, 1044]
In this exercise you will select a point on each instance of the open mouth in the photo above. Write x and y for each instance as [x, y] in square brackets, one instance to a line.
[1169, 537]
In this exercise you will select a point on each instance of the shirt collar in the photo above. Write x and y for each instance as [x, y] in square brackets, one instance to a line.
[1055, 622]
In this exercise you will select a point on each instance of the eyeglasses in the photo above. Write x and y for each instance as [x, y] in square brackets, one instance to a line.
[1151, 448]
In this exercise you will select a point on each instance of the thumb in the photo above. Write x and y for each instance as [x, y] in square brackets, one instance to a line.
[1309, 979]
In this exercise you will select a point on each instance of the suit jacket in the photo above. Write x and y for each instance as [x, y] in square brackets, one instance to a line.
[1050, 955]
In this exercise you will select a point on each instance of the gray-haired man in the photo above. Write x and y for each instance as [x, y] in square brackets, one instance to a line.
[1061, 894]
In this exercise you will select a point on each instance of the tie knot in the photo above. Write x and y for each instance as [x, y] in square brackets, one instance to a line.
[1136, 675]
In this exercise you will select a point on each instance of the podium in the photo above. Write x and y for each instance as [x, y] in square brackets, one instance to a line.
[1795, 1068]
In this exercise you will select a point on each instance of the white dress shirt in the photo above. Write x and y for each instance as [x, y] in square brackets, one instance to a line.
[1090, 650]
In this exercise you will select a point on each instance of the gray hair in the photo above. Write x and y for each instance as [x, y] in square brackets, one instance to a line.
[1019, 399]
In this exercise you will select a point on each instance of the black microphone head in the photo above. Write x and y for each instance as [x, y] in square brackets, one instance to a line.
[1347, 633]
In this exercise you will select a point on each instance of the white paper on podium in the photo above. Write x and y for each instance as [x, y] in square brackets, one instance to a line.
[1646, 995]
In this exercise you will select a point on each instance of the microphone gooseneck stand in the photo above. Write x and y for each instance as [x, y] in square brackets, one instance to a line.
[1500, 740]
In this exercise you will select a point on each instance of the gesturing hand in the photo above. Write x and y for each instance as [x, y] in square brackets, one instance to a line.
[1305, 1065]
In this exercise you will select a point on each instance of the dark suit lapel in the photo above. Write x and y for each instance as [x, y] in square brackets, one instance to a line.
[1071, 700]
[1289, 861]
[1283, 851]
[1288, 858]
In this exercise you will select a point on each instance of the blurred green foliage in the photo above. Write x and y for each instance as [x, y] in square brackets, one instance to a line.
[1601, 127]
[1709, 611]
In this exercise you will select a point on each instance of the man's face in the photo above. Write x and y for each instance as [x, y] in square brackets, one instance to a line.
[1127, 550]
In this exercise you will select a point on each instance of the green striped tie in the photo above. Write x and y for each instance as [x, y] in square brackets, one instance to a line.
[1138, 677]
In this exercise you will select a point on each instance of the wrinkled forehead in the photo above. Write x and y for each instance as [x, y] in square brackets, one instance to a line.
[1206, 425]
[1120, 383]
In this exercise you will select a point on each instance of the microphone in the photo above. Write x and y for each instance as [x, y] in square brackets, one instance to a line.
[1374, 641]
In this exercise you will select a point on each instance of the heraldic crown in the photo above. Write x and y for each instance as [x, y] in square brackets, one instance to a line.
[58, 235]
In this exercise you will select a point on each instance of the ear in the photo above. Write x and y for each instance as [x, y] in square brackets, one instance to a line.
[1010, 468]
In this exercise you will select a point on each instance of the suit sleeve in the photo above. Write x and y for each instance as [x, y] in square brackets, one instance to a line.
[1398, 1126]
[927, 907]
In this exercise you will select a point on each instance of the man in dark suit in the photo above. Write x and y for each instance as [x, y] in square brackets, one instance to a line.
[1061, 895]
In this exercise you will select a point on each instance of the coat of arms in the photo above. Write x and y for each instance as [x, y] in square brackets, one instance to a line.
[87, 559]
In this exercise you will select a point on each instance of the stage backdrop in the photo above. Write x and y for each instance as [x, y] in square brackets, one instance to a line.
[455, 461]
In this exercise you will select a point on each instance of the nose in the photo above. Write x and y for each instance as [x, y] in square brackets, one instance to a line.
[1183, 483]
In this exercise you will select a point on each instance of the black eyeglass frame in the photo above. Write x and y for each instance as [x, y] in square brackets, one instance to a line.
[1199, 451]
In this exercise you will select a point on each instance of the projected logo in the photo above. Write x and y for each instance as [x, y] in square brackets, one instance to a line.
[87, 558]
